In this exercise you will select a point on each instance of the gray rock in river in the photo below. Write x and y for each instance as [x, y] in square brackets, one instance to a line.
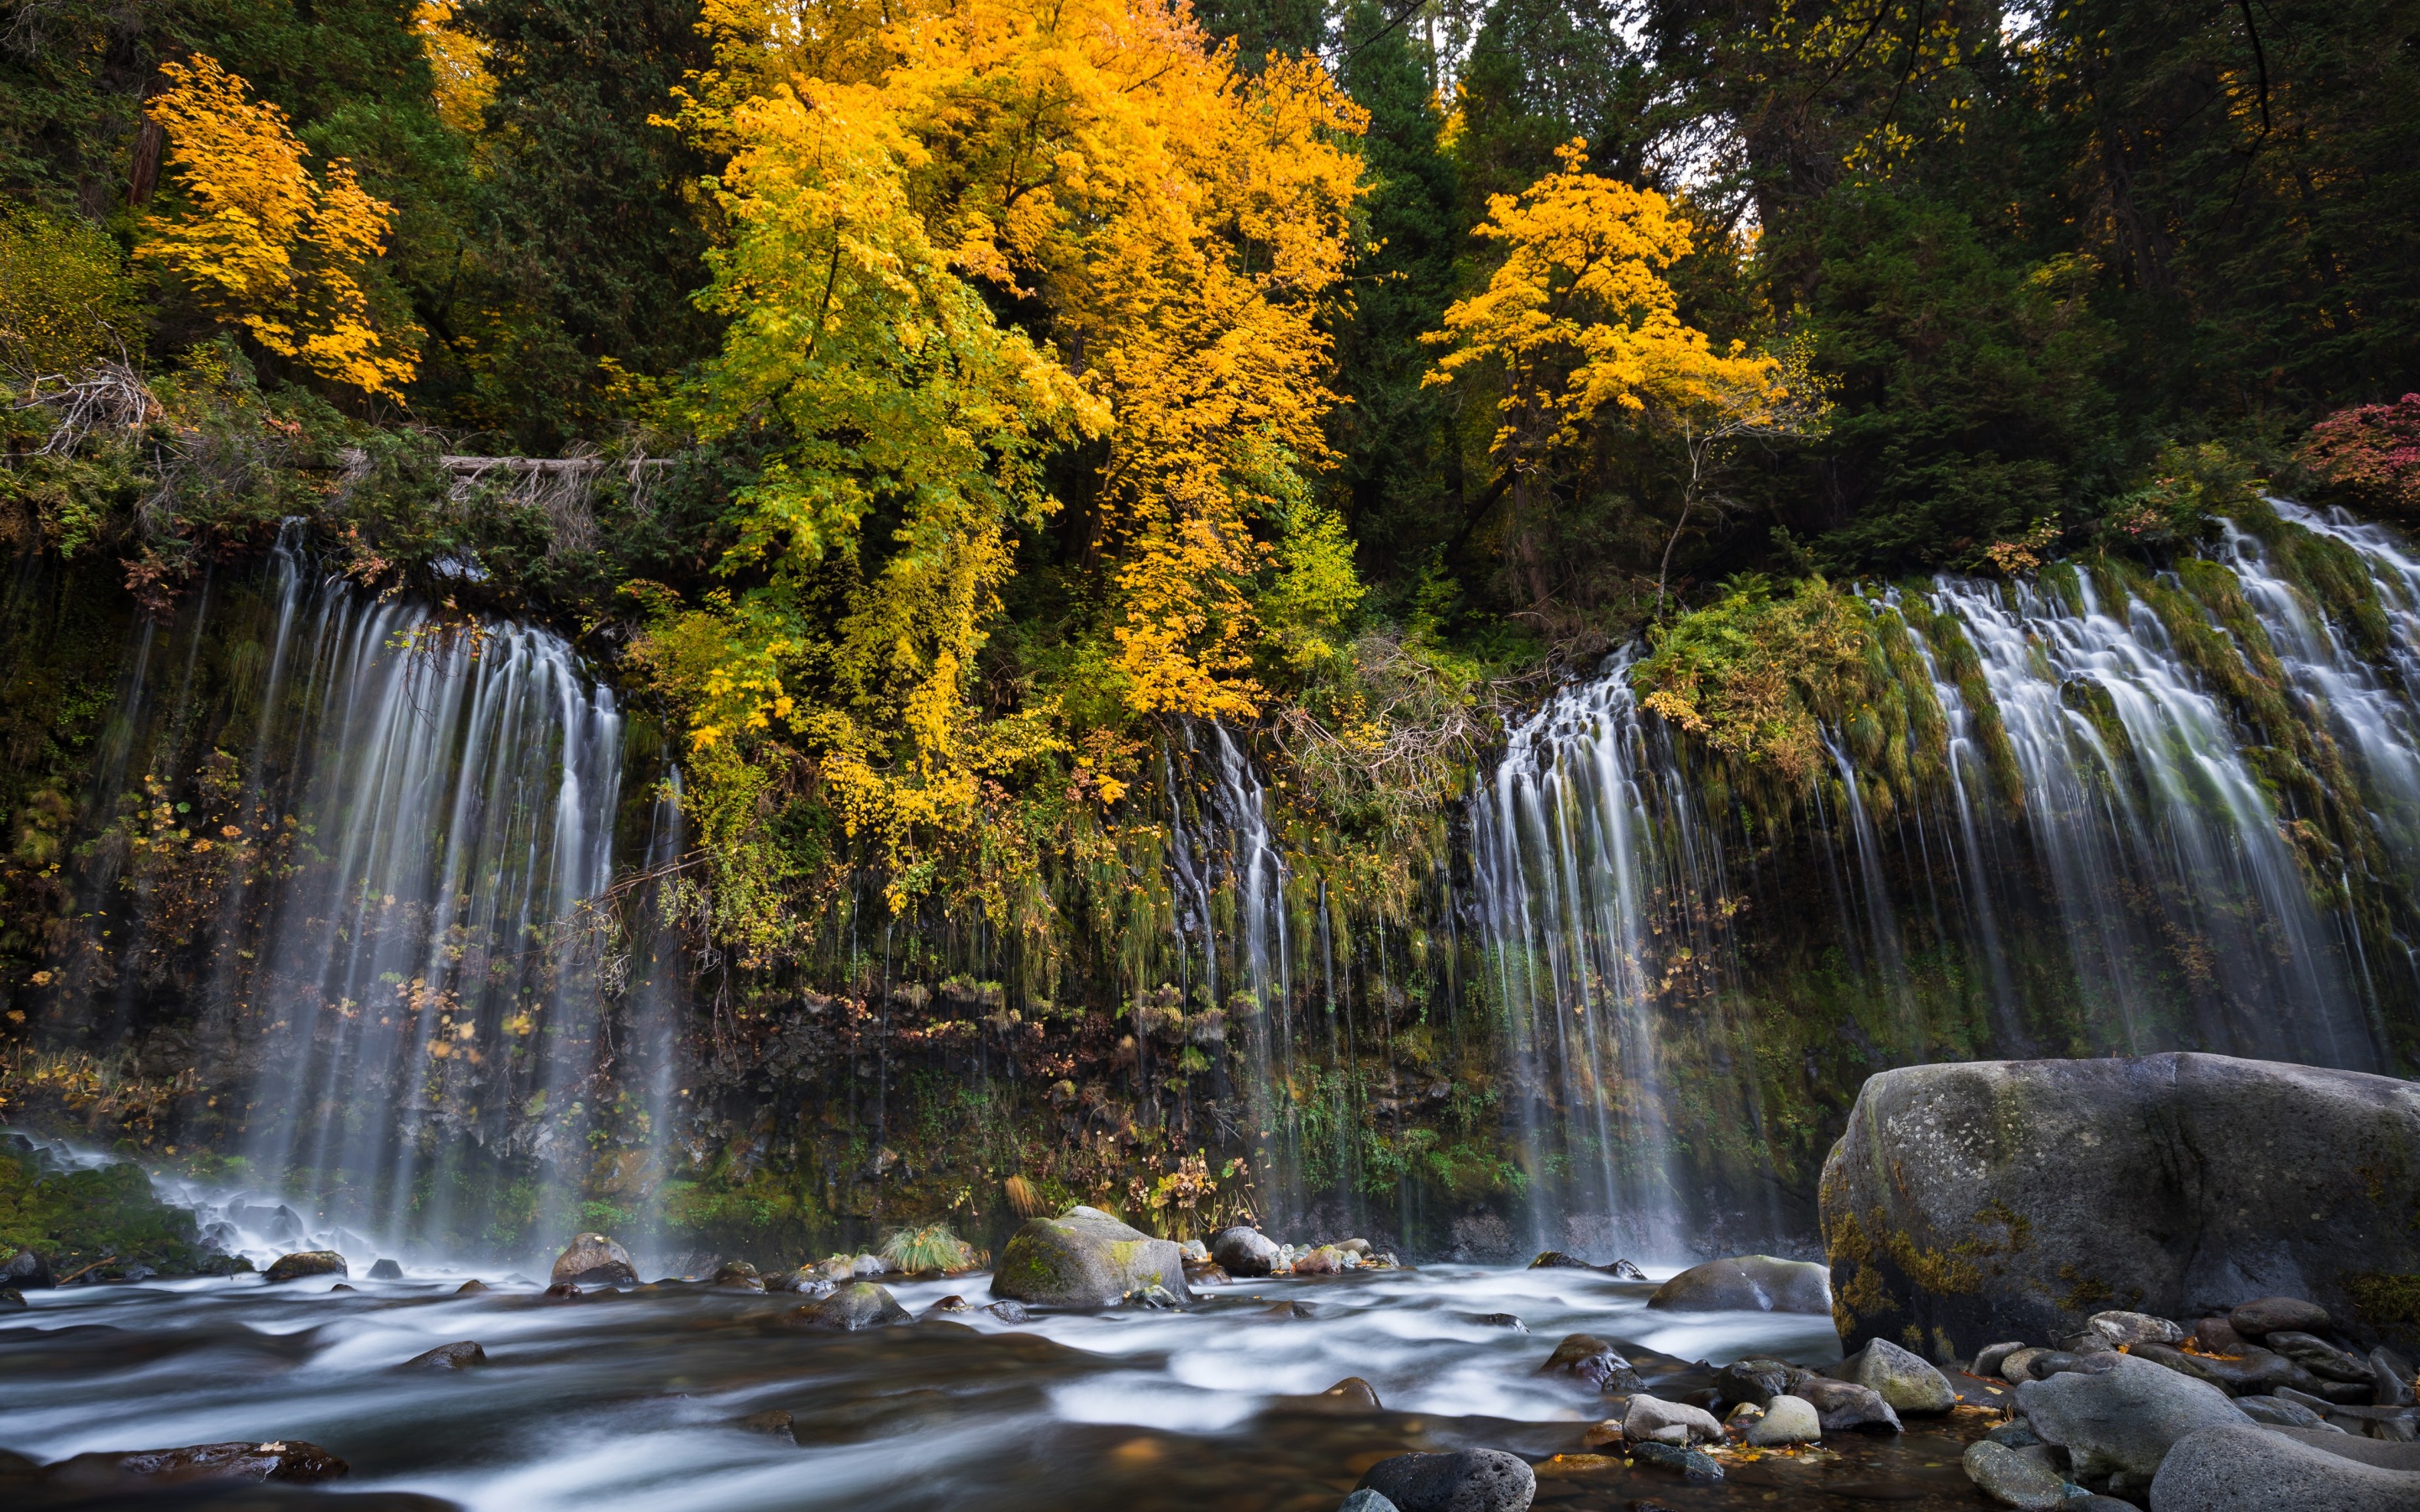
[1986, 1199]
[2118, 1421]
[1747, 1283]
[288, 1461]
[465, 1355]
[594, 1261]
[1086, 1258]
[296, 1266]
[28, 1270]
[1909, 1383]
[1367, 1502]
[2252, 1469]
[1846, 1407]
[11, 1298]
[1594, 1364]
[1694, 1465]
[2011, 1478]
[1987, 1359]
[386, 1270]
[2259, 1317]
[1754, 1381]
[1786, 1420]
[1244, 1251]
[2317, 1356]
[2277, 1412]
[1652, 1418]
[2391, 1381]
[2130, 1329]
[859, 1304]
[1467, 1480]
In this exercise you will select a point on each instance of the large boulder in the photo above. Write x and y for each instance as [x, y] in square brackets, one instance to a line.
[1086, 1258]
[594, 1261]
[1244, 1251]
[2248, 1469]
[858, 1305]
[1989, 1200]
[1593, 1363]
[2118, 1419]
[1747, 1283]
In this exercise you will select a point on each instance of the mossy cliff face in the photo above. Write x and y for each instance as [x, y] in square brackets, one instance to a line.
[100, 1221]
[2012, 1199]
[1859, 885]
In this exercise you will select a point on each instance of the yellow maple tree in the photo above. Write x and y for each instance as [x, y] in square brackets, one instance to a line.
[1580, 318]
[260, 243]
[1162, 228]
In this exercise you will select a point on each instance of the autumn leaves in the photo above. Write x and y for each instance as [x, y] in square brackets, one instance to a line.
[264, 245]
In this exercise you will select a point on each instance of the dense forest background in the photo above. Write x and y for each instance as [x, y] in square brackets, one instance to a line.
[968, 400]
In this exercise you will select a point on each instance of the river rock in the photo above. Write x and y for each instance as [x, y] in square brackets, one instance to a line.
[1696, 1466]
[2119, 1421]
[288, 1460]
[2257, 1320]
[1010, 1312]
[1244, 1251]
[470, 1287]
[2317, 1356]
[1746, 1283]
[1786, 1420]
[1350, 1397]
[2012, 1478]
[1467, 1480]
[859, 1304]
[2391, 1383]
[1906, 1381]
[1844, 1406]
[2277, 1412]
[1995, 1199]
[594, 1261]
[738, 1274]
[307, 1262]
[2216, 1335]
[386, 1268]
[1651, 1417]
[11, 1298]
[2127, 1329]
[1367, 1502]
[1753, 1380]
[1324, 1261]
[2252, 1469]
[2017, 1367]
[1593, 1363]
[462, 1356]
[1086, 1258]
[1987, 1359]
[28, 1270]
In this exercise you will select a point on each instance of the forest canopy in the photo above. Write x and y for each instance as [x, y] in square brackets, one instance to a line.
[985, 391]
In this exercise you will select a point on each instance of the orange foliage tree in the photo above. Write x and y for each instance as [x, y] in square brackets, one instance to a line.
[261, 243]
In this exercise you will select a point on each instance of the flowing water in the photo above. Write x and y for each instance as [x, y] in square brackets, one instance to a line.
[632, 1400]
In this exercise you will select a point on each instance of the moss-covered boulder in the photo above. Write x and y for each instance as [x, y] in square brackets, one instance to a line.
[1086, 1258]
[1988, 1200]
[98, 1223]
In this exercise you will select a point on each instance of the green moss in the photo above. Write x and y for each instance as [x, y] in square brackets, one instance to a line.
[2385, 1300]
[109, 1214]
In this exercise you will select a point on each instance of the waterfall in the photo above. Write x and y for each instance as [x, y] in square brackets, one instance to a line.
[1228, 879]
[2149, 839]
[1586, 855]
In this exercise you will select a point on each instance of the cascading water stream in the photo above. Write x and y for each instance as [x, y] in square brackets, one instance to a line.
[2184, 916]
[425, 1011]
[1567, 852]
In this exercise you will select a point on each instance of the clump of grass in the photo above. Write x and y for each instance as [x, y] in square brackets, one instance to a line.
[932, 1247]
[1024, 1196]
